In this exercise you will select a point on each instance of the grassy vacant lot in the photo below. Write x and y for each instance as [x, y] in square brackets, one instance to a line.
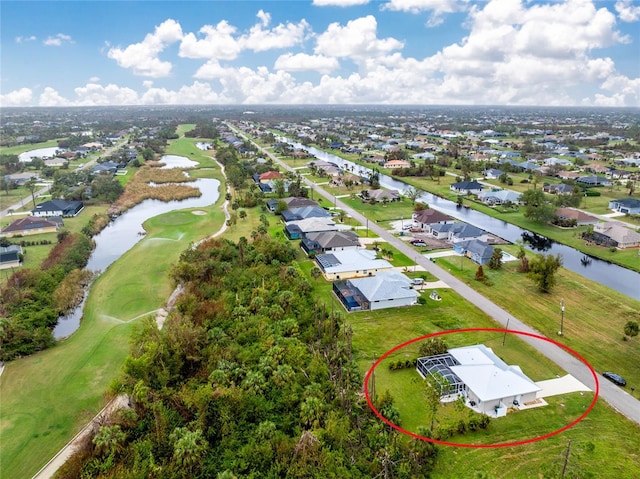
[49, 396]
[593, 320]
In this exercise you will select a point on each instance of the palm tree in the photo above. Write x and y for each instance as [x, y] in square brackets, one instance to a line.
[108, 439]
[188, 446]
[316, 273]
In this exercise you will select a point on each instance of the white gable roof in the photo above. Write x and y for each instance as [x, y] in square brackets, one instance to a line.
[488, 376]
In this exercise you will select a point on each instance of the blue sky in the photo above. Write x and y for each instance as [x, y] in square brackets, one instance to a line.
[445, 52]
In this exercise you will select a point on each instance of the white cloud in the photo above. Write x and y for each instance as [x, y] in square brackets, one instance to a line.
[31, 38]
[303, 62]
[339, 3]
[358, 40]
[198, 93]
[50, 97]
[21, 97]
[94, 79]
[282, 36]
[57, 40]
[627, 11]
[142, 57]
[218, 43]
[95, 94]
[438, 8]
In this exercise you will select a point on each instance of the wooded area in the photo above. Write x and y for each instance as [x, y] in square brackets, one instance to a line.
[249, 377]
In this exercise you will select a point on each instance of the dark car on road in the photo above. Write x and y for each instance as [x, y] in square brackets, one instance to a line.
[615, 378]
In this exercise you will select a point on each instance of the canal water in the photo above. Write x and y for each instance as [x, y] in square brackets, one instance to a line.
[124, 232]
[615, 277]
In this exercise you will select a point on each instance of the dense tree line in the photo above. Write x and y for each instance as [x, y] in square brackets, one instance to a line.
[33, 299]
[249, 377]
[203, 130]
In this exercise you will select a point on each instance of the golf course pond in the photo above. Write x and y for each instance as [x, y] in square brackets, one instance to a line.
[124, 232]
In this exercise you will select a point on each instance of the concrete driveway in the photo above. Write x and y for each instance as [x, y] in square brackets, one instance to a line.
[563, 385]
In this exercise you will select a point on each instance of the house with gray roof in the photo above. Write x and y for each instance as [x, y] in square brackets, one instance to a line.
[466, 187]
[499, 197]
[300, 228]
[559, 189]
[480, 252]
[387, 289]
[330, 241]
[64, 208]
[464, 231]
[629, 206]
[10, 256]
[303, 213]
[380, 195]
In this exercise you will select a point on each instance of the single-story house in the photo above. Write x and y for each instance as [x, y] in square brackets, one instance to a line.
[479, 252]
[554, 161]
[423, 218]
[291, 202]
[466, 187]
[303, 213]
[299, 229]
[269, 176]
[10, 256]
[381, 195]
[618, 234]
[488, 384]
[492, 173]
[20, 179]
[329, 241]
[62, 208]
[499, 197]
[581, 217]
[56, 162]
[32, 225]
[559, 189]
[351, 264]
[424, 156]
[387, 289]
[393, 164]
[593, 181]
[528, 166]
[629, 206]
[464, 231]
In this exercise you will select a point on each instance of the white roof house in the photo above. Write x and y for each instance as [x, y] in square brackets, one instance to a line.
[351, 264]
[489, 385]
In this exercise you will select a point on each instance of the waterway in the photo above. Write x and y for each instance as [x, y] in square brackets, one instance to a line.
[123, 233]
[608, 274]
[49, 152]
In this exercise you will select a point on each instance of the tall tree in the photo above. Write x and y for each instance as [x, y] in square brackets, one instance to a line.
[542, 270]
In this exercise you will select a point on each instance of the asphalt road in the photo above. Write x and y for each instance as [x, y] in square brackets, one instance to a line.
[617, 397]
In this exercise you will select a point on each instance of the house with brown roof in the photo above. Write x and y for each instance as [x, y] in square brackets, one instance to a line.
[423, 218]
[394, 164]
[32, 225]
[581, 217]
[270, 176]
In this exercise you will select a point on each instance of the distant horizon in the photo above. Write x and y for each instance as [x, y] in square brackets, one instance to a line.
[463, 53]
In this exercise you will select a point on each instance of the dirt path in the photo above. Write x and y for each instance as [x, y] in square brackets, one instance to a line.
[56, 462]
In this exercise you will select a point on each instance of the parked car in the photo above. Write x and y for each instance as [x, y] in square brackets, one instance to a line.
[615, 378]
[417, 281]
[418, 243]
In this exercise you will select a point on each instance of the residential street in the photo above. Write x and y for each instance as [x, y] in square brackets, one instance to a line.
[614, 395]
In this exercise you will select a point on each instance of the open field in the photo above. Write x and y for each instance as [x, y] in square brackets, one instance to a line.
[593, 320]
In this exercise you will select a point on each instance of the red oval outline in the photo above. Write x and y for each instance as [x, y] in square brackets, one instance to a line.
[481, 446]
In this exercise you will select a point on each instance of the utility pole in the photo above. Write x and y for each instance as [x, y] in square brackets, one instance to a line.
[505, 332]
[566, 459]
[560, 333]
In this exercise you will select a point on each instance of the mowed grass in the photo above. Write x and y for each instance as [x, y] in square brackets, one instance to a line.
[604, 443]
[48, 397]
[594, 315]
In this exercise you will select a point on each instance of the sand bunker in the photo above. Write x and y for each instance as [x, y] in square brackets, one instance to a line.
[199, 212]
